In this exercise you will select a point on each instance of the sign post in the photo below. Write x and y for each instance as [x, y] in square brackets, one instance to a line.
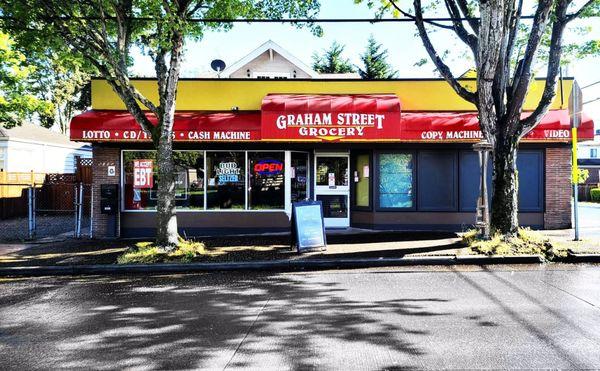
[308, 228]
[575, 108]
[483, 148]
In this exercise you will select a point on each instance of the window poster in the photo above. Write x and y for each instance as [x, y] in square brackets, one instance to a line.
[143, 177]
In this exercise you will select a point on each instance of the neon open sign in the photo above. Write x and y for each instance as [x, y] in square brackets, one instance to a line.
[268, 167]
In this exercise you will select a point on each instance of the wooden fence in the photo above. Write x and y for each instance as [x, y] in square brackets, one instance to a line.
[53, 191]
[13, 183]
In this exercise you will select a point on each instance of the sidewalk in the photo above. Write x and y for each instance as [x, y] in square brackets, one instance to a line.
[589, 239]
[361, 244]
[354, 249]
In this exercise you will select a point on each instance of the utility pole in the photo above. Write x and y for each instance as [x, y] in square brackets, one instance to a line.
[575, 108]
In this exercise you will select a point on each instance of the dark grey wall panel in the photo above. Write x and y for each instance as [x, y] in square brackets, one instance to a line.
[530, 167]
[469, 180]
[437, 181]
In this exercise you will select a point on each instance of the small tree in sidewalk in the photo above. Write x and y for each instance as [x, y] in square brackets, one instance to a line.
[104, 31]
[505, 51]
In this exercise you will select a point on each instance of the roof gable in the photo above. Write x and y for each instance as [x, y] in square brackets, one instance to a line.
[269, 45]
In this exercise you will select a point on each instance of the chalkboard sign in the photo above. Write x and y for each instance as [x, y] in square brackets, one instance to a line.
[308, 230]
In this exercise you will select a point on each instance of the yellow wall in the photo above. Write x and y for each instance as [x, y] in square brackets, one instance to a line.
[222, 95]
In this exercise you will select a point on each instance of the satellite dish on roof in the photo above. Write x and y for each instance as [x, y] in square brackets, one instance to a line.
[217, 65]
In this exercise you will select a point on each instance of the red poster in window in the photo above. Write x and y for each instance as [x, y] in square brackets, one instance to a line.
[142, 174]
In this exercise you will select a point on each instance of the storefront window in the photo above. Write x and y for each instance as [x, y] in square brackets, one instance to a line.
[299, 176]
[226, 181]
[266, 186]
[332, 171]
[396, 180]
[361, 176]
[141, 182]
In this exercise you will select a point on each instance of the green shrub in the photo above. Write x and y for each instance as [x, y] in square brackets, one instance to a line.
[147, 253]
[525, 242]
[595, 194]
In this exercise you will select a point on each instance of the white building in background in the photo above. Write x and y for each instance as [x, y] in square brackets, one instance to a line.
[271, 61]
[34, 148]
[589, 150]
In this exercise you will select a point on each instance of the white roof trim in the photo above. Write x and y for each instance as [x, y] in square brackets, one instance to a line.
[269, 45]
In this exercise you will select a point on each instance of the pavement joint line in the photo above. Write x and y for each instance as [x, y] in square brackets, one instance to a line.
[248, 332]
[568, 293]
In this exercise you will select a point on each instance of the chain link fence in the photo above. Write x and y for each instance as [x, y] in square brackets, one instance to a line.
[48, 210]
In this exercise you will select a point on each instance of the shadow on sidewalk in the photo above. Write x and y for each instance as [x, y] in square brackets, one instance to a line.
[240, 248]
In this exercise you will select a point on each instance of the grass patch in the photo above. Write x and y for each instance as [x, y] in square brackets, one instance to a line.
[526, 242]
[148, 253]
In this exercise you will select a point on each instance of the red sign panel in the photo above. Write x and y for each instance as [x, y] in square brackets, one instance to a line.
[121, 126]
[464, 127]
[330, 117]
[143, 174]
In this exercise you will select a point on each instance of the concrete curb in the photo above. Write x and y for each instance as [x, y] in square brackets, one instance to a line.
[583, 258]
[273, 265]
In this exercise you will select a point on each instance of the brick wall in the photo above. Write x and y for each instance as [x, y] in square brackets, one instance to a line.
[103, 158]
[558, 188]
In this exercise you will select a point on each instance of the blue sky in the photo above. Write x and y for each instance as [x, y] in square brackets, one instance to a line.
[404, 47]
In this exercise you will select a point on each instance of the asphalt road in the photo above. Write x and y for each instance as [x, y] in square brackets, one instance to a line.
[504, 317]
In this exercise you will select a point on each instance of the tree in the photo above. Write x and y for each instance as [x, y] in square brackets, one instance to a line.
[490, 29]
[331, 61]
[104, 31]
[18, 101]
[64, 81]
[375, 65]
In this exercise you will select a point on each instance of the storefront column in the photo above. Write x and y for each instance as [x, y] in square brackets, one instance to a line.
[288, 183]
[106, 160]
[557, 214]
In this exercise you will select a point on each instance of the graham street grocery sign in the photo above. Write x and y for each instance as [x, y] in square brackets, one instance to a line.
[330, 126]
[310, 118]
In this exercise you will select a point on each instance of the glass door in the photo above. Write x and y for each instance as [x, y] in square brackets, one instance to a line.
[299, 177]
[332, 188]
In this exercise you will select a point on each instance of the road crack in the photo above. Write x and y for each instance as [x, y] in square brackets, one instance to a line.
[248, 332]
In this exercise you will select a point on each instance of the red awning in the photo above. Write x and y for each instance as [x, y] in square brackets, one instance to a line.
[308, 120]
[464, 127]
[189, 126]
[303, 117]
[351, 103]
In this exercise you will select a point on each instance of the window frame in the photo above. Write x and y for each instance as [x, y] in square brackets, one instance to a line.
[285, 177]
[121, 180]
[353, 156]
[376, 195]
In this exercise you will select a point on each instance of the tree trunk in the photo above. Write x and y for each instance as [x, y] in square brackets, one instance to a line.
[166, 219]
[504, 217]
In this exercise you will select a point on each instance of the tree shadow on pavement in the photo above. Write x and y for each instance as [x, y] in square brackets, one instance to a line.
[210, 321]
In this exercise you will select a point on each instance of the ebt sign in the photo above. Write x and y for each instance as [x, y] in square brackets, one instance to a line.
[142, 174]
[330, 126]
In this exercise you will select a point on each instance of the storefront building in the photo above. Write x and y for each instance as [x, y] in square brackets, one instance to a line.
[391, 155]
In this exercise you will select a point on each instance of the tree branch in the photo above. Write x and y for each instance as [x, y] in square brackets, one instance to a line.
[474, 23]
[439, 63]
[554, 56]
[570, 17]
[522, 78]
[459, 29]
[408, 15]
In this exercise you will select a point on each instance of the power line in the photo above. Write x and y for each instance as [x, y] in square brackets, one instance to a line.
[592, 100]
[592, 84]
[279, 20]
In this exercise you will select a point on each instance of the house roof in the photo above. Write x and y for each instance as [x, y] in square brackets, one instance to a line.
[264, 48]
[28, 132]
[590, 143]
